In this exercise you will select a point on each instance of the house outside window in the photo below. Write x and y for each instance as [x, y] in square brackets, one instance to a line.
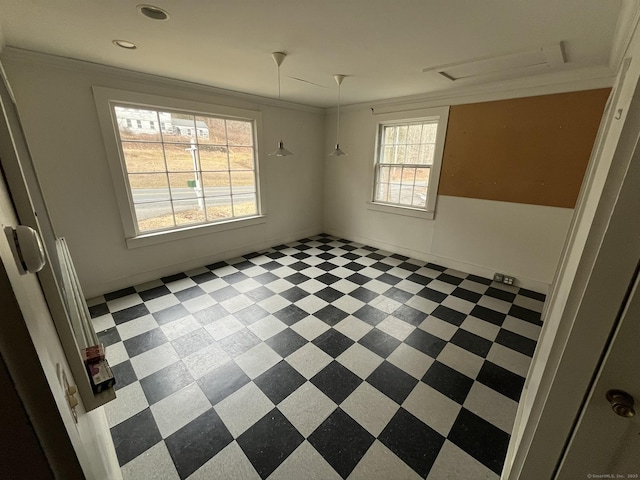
[200, 170]
[407, 164]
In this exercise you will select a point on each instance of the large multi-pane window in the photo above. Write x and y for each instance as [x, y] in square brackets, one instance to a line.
[185, 169]
[408, 162]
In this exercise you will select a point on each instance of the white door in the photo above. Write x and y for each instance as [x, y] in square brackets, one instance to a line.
[598, 265]
[88, 433]
[606, 443]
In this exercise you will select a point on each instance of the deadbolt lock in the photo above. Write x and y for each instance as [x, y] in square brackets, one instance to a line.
[621, 403]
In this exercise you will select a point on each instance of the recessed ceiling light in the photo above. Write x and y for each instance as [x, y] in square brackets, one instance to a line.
[125, 44]
[153, 12]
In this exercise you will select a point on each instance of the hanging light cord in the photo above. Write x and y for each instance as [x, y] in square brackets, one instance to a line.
[279, 120]
[338, 122]
[278, 82]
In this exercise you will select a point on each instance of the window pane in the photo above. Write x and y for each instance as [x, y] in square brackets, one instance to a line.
[211, 131]
[406, 194]
[143, 157]
[178, 127]
[137, 124]
[389, 135]
[216, 183]
[402, 133]
[201, 131]
[408, 176]
[154, 216]
[395, 175]
[164, 119]
[420, 196]
[239, 132]
[400, 154]
[241, 158]
[427, 154]
[188, 212]
[414, 134]
[382, 192]
[244, 205]
[384, 174]
[429, 132]
[183, 186]
[413, 154]
[148, 181]
[421, 187]
[213, 157]
[243, 182]
[388, 155]
[149, 188]
[179, 157]
[394, 193]
[218, 208]
[422, 176]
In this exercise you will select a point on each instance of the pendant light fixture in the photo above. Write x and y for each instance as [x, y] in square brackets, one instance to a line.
[338, 152]
[279, 57]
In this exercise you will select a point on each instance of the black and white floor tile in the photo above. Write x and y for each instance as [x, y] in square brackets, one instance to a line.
[322, 358]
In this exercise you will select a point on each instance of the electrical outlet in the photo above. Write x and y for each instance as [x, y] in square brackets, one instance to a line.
[502, 278]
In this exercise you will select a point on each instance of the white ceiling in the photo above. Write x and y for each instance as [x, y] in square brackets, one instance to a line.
[382, 45]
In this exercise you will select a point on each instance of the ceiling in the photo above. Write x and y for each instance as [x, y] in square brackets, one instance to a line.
[381, 45]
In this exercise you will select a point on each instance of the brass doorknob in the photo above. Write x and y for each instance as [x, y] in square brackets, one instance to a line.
[621, 403]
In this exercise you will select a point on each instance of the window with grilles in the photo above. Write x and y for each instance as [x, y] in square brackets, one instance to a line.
[407, 164]
[194, 169]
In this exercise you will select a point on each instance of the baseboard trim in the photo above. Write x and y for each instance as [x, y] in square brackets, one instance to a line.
[481, 271]
[166, 270]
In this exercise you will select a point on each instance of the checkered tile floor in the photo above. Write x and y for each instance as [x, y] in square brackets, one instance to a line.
[322, 358]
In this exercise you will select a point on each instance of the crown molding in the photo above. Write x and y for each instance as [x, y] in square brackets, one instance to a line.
[14, 54]
[560, 82]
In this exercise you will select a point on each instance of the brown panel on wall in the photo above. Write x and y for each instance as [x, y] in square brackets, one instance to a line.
[527, 150]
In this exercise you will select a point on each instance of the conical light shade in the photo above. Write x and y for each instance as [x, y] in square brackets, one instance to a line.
[338, 152]
[280, 151]
[279, 57]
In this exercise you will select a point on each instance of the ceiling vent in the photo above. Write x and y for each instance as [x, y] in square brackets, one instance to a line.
[528, 62]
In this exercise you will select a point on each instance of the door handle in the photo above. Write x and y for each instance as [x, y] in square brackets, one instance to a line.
[621, 403]
[26, 247]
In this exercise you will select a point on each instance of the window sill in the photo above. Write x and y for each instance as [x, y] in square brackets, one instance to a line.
[399, 210]
[155, 238]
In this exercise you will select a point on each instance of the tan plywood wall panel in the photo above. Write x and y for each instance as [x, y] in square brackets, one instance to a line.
[527, 150]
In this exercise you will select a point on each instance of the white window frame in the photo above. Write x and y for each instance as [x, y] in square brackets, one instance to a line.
[105, 99]
[439, 114]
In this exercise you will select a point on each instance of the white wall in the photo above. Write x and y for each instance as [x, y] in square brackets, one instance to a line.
[475, 236]
[58, 112]
[56, 104]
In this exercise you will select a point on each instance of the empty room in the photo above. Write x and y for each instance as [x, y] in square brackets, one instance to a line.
[334, 239]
